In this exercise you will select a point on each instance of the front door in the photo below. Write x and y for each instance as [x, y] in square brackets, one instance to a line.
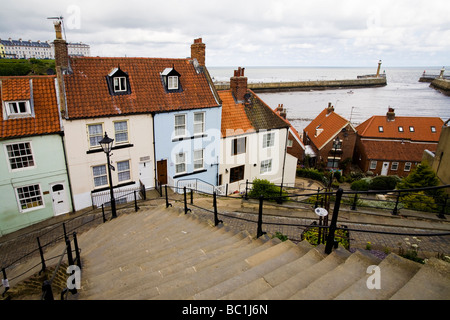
[385, 169]
[161, 168]
[59, 198]
[145, 174]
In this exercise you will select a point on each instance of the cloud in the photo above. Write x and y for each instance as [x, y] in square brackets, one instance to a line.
[250, 32]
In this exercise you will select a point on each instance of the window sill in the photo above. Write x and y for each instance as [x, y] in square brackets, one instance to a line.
[120, 146]
[204, 135]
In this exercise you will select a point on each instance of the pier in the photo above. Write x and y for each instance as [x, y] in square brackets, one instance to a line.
[430, 77]
[363, 81]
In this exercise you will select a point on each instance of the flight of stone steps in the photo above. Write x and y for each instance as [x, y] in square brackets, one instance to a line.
[162, 253]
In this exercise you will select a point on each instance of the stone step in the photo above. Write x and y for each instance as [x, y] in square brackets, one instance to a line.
[302, 278]
[394, 273]
[260, 264]
[329, 285]
[433, 279]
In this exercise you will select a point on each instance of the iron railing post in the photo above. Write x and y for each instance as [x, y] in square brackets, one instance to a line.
[395, 211]
[47, 293]
[69, 252]
[186, 209]
[65, 232]
[77, 250]
[444, 207]
[216, 219]
[332, 229]
[5, 282]
[354, 202]
[167, 197]
[192, 196]
[41, 253]
[246, 188]
[259, 231]
[103, 213]
[136, 208]
[317, 198]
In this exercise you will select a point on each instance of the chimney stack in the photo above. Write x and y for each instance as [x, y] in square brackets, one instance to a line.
[238, 84]
[390, 115]
[330, 108]
[61, 51]
[198, 49]
[281, 111]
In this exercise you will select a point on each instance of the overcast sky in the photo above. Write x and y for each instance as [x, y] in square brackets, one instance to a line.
[247, 32]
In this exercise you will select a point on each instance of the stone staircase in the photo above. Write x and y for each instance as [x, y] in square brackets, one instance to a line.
[164, 254]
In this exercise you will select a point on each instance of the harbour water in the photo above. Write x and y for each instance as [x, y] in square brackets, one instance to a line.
[403, 92]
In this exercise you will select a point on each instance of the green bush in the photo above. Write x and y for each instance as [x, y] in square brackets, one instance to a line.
[313, 174]
[384, 183]
[265, 188]
[360, 185]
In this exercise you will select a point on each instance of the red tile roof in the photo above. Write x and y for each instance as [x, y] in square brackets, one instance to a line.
[329, 125]
[234, 119]
[87, 91]
[396, 150]
[41, 90]
[422, 128]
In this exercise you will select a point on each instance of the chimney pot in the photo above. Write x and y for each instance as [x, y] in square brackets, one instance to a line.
[198, 49]
[390, 115]
[238, 84]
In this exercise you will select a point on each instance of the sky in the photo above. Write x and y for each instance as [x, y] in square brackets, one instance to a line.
[246, 32]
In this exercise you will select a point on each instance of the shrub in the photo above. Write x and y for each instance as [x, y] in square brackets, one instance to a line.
[384, 183]
[360, 185]
[267, 189]
[311, 174]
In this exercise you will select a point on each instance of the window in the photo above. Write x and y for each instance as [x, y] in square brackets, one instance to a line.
[333, 162]
[266, 166]
[394, 166]
[433, 129]
[408, 166]
[400, 129]
[180, 125]
[172, 83]
[411, 129]
[268, 140]
[380, 129]
[238, 146]
[121, 131]
[180, 165]
[199, 122]
[120, 84]
[29, 197]
[337, 145]
[373, 165]
[198, 159]
[99, 173]
[237, 174]
[123, 169]
[20, 155]
[290, 143]
[95, 132]
[18, 108]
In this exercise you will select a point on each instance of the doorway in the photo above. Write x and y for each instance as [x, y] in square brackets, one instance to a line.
[59, 199]
[145, 174]
[385, 169]
[161, 168]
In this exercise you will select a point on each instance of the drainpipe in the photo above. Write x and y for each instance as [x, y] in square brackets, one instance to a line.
[67, 170]
[154, 149]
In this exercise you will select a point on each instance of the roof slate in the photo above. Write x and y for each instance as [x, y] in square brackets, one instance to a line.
[88, 96]
[44, 103]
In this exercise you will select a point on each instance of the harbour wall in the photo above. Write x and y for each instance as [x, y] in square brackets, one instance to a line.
[310, 85]
[442, 85]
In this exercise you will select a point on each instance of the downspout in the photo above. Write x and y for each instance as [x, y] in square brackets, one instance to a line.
[284, 161]
[154, 149]
[67, 170]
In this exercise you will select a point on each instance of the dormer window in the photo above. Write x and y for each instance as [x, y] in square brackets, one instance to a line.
[118, 82]
[17, 109]
[433, 129]
[171, 80]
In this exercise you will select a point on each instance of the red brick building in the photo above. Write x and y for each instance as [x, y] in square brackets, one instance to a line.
[392, 145]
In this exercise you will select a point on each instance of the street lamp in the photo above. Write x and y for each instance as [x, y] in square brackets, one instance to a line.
[106, 144]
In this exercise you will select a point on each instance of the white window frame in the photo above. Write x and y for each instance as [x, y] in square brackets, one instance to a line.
[120, 84]
[123, 174]
[394, 166]
[12, 114]
[31, 153]
[380, 129]
[172, 82]
[411, 129]
[268, 140]
[408, 166]
[266, 166]
[373, 164]
[97, 136]
[400, 129]
[199, 123]
[104, 174]
[178, 127]
[180, 163]
[433, 129]
[117, 133]
[198, 159]
[290, 143]
[238, 147]
[23, 207]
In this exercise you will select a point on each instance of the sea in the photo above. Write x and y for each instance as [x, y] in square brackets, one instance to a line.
[403, 92]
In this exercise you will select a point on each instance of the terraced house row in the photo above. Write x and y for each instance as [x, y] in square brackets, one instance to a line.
[166, 119]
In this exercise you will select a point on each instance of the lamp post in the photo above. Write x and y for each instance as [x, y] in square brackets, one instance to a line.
[106, 144]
